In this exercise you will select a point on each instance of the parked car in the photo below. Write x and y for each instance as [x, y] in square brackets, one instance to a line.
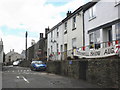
[38, 65]
[16, 63]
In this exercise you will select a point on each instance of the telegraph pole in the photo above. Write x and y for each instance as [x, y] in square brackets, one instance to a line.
[26, 34]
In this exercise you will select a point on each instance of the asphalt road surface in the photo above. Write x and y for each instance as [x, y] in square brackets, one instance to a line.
[20, 77]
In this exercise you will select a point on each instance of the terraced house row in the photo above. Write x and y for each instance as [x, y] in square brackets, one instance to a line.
[91, 31]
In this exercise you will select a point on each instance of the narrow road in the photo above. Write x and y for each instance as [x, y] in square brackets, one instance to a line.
[20, 77]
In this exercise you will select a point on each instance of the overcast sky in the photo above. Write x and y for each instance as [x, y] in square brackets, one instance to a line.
[19, 16]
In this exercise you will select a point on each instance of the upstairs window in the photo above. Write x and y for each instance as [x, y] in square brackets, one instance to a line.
[51, 34]
[92, 12]
[65, 27]
[57, 32]
[74, 22]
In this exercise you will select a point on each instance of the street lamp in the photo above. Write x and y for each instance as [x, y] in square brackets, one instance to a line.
[26, 34]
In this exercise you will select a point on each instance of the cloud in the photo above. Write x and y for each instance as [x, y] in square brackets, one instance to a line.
[31, 15]
[35, 15]
[15, 42]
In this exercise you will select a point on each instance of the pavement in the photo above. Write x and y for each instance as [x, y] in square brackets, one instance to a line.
[21, 77]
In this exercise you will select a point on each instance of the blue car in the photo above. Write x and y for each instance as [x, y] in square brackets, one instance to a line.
[38, 65]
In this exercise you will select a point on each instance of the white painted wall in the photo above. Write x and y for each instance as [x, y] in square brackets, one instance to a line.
[105, 12]
[58, 40]
[66, 38]
[77, 33]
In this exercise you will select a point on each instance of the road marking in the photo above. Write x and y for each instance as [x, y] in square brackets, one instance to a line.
[26, 73]
[17, 77]
[25, 79]
[43, 73]
[51, 74]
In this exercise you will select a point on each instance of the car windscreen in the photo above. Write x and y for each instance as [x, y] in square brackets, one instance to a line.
[37, 62]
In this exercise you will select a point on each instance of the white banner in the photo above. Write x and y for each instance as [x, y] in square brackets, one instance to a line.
[101, 52]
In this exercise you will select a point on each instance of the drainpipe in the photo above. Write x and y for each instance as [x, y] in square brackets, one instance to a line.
[83, 29]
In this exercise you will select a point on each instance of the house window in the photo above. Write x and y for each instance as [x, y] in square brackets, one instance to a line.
[65, 27]
[51, 49]
[74, 43]
[97, 36]
[48, 50]
[57, 32]
[91, 38]
[57, 48]
[74, 22]
[117, 30]
[92, 12]
[51, 34]
[97, 39]
[110, 35]
[94, 39]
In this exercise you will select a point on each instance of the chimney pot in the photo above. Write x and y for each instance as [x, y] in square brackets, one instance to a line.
[41, 35]
[68, 13]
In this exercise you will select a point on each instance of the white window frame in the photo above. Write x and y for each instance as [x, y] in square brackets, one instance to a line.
[51, 34]
[117, 31]
[57, 47]
[74, 22]
[92, 12]
[57, 31]
[74, 41]
[65, 27]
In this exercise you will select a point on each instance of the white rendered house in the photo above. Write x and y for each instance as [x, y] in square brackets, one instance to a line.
[65, 36]
[102, 29]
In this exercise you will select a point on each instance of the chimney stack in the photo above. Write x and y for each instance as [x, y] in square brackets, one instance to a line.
[41, 36]
[46, 30]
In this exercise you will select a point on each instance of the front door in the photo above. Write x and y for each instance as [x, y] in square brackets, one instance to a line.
[65, 51]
